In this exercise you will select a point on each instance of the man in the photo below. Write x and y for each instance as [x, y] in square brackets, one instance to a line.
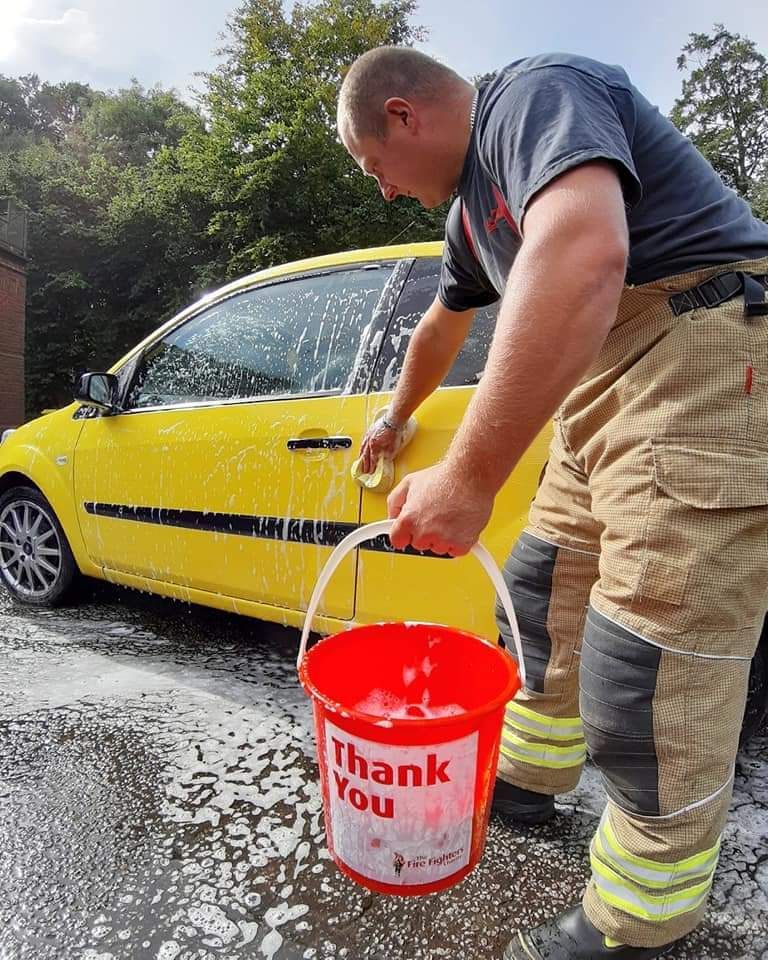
[633, 311]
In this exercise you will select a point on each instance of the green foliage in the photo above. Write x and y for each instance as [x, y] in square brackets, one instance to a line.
[760, 200]
[100, 277]
[724, 108]
[132, 126]
[284, 187]
[139, 202]
[32, 110]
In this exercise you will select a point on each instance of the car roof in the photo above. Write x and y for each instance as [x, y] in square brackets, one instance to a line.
[350, 257]
[397, 252]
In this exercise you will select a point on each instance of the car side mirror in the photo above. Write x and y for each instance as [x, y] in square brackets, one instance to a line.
[100, 390]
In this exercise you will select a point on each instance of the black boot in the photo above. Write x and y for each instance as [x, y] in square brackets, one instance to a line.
[572, 936]
[523, 806]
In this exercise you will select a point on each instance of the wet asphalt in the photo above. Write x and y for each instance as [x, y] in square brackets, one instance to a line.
[159, 800]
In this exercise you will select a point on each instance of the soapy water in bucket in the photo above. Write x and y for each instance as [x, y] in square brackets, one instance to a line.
[389, 706]
[414, 703]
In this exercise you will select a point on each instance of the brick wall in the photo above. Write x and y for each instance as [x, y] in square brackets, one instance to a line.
[13, 286]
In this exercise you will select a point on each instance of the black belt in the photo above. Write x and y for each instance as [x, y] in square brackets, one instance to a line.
[725, 286]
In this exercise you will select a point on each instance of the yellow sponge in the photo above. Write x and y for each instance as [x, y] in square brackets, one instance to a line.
[382, 477]
[381, 480]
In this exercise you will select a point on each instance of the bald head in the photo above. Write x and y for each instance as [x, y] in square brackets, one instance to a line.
[405, 119]
[391, 72]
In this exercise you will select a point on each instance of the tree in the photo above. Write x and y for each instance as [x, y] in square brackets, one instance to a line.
[283, 185]
[724, 107]
[31, 110]
[113, 247]
[138, 202]
[134, 124]
[760, 201]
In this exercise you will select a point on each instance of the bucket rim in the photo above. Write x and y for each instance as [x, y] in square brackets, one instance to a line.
[394, 723]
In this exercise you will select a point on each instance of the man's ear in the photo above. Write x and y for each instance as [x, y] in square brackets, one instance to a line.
[400, 113]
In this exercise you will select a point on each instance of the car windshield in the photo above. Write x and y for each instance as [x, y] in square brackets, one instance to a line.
[294, 337]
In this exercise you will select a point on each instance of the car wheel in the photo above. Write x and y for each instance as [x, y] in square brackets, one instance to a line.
[36, 563]
[757, 696]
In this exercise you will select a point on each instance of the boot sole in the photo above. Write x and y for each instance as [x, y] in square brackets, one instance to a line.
[517, 950]
[530, 816]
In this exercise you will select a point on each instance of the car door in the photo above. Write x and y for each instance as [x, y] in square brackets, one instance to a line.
[455, 592]
[229, 470]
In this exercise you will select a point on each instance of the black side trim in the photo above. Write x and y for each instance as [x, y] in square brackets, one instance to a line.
[289, 529]
[528, 575]
[617, 680]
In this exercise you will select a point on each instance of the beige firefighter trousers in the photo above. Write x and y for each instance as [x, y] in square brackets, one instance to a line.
[641, 583]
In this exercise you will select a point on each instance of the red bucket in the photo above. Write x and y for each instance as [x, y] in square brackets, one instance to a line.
[408, 720]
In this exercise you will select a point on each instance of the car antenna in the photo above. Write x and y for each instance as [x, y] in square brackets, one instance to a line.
[397, 235]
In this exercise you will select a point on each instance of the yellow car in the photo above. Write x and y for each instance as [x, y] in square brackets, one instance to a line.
[213, 463]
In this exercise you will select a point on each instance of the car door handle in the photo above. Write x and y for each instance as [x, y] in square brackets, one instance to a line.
[320, 443]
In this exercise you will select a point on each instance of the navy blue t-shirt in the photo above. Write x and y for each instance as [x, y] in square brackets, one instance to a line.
[545, 115]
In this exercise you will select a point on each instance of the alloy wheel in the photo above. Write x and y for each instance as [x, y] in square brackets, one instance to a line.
[30, 548]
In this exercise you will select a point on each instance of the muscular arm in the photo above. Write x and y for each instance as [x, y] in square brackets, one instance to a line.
[559, 304]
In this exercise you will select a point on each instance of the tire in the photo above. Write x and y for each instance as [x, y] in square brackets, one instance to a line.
[757, 696]
[36, 563]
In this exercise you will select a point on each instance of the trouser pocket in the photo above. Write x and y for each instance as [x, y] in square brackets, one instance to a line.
[704, 566]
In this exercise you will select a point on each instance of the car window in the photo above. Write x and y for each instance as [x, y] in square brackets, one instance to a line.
[419, 292]
[296, 337]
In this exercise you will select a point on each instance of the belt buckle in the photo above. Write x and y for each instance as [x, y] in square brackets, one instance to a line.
[682, 302]
[722, 293]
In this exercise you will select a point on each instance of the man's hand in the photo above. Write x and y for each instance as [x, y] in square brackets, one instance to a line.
[437, 511]
[378, 441]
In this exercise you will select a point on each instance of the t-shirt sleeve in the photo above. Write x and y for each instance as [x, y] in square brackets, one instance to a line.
[463, 282]
[547, 121]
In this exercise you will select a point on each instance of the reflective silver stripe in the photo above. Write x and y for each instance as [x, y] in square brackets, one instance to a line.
[648, 872]
[691, 806]
[542, 753]
[544, 727]
[626, 897]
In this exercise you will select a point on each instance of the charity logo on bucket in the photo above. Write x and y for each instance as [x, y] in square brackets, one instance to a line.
[401, 815]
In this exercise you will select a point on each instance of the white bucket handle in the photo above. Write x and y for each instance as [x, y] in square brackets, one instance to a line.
[373, 530]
